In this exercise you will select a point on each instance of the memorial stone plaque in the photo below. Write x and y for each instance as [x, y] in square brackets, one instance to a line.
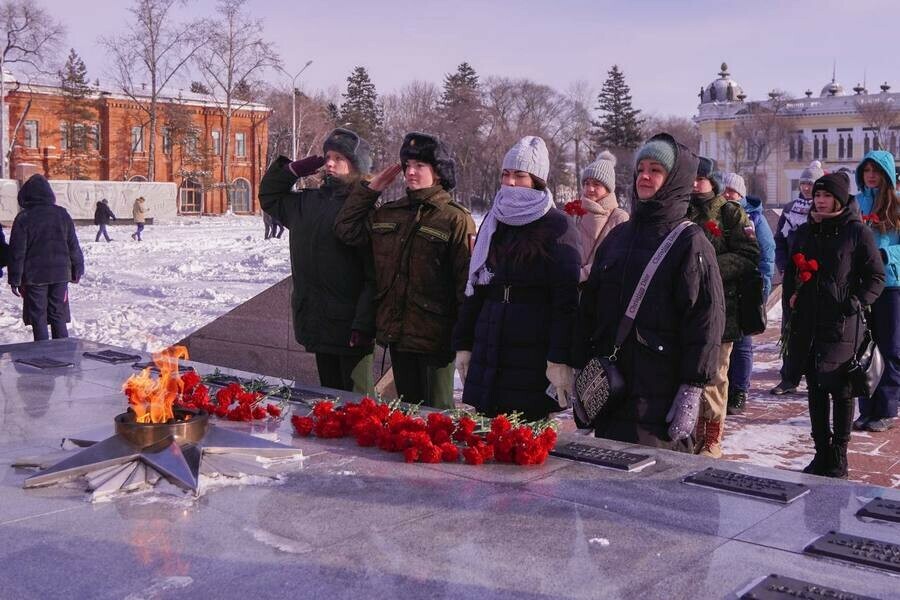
[42, 362]
[223, 380]
[140, 366]
[112, 356]
[881, 508]
[859, 550]
[748, 485]
[611, 459]
[779, 587]
[307, 396]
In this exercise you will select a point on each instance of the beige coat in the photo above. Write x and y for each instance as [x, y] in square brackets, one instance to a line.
[139, 212]
[601, 218]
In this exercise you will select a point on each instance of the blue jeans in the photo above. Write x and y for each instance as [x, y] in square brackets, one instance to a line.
[741, 365]
[885, 324]
[137, 234]
[102, 231]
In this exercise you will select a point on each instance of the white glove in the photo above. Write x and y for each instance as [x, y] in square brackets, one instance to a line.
[463, 358]
[562, 377]
[685, 411]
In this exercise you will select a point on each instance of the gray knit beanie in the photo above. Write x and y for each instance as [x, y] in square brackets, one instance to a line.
[530, 155]
[735, 182]
[812, 172]
[659, 150]
[603, 169]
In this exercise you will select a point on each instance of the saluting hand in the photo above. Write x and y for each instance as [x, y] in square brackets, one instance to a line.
[385, 178]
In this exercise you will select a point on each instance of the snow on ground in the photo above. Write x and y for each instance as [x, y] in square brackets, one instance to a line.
[151, 294]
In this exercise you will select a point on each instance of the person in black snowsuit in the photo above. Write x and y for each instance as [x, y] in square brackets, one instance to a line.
[827, 321]
[44, 256]
[673, 348]
[102, 216]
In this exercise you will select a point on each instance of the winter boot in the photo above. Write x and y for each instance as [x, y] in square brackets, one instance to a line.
[837, 463]
[712, 439]
[736, 402]
[783, 387]
[821, 460]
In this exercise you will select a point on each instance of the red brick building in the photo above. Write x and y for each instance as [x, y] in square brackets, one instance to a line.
[110, 141]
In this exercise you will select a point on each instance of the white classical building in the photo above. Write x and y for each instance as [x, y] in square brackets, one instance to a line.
[828, 127]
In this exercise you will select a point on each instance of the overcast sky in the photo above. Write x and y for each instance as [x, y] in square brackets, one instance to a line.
[667, 48]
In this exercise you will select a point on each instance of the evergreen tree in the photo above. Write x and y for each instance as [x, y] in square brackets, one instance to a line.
[198, 87]
[361, 110]
[460, 109]
[619, 126]
[78, 117]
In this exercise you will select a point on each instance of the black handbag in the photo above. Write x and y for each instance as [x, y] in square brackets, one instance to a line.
[866, 367]
[600, 386]
[751, 304]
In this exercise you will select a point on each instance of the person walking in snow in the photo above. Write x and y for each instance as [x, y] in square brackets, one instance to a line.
[728, 229]
[421, 243]
[672, 349]
[597, 212]
[139, 212]
[514, 332]
[827, 299]
[267, 223]
[44, 256]
[102, 216]
[333, 298]
[880, 209]
[793, 215]
[741, 365]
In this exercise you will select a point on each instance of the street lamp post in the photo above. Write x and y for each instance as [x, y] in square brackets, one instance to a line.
[294, 107]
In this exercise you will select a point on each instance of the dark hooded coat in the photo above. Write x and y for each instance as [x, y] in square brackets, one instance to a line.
[678, 329]
[43, 246]
[827, 324]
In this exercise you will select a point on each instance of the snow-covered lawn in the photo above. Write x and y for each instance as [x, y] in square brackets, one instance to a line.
[150, 294]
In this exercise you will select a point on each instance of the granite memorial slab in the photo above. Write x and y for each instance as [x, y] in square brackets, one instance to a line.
[603, 457]
[881, 509]
[112, 356]
[779, 587]
[43, 362]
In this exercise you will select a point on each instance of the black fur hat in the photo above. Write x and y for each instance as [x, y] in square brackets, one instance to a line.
[428, 149]
[354, 148]
[708, 169]
[836, 184]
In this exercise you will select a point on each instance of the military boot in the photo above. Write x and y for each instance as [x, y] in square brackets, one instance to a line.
[736, 402]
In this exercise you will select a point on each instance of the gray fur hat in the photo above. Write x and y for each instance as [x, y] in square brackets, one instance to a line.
[603, 169]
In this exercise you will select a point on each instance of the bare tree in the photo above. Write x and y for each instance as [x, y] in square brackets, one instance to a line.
[762, 128]
[881, 114]
[30, 38]
[155, 47]
[579, 125]
[682, 129]
[233, 58]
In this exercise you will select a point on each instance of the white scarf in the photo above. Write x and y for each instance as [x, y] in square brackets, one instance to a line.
[514, 206]
[797, 216]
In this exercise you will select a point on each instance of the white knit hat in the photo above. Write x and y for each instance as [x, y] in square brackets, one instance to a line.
[530, 155]
[603, 169]
[735, 182]
[812, 172]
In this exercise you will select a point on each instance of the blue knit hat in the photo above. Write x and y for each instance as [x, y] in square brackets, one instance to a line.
[658, 150]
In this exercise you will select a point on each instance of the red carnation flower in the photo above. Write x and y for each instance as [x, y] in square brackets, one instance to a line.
[812, 265]
[411, 454]
[805, 276]
[713, 228]
[574, 208]
[273, 410]
[472, 456]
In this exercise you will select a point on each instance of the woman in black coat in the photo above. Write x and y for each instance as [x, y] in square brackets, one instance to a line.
[513, 336]
[827, 323]
[673, 347]
[102, 216]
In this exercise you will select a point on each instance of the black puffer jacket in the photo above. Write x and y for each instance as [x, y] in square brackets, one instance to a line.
[102, 214]
[512, 341]
[678, 329]
[334, 284]
[43, 246]
[826, 322]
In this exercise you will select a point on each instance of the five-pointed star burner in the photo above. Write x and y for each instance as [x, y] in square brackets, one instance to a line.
[180, 464]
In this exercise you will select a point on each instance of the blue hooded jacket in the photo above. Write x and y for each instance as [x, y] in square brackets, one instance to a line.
[889, 241]
[753, 207]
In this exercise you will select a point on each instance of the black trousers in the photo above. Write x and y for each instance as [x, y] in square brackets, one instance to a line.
[823, 405]
[789, 367]
[47, 304]
[335, 371]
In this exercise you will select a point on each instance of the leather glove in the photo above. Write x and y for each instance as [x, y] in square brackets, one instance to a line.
[463, 358]
[306, 166]
[359, 339]
[563, 379]
[685, 411]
